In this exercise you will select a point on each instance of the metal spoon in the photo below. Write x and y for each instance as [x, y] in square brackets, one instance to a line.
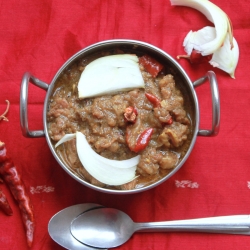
[59, 226]
[107, 227]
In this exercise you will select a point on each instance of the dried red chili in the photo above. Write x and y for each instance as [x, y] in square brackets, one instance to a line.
[153, 99]
[12, 178]
[4, 204]
[157, 104]
[170, 121]
[143, 140]
[152, 66]
[130, 114]
[196, 57]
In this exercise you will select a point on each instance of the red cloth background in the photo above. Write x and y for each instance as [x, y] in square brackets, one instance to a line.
[39, 36]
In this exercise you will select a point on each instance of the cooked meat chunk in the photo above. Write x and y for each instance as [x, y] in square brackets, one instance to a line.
[169, 160]
[180, 115]
[149, 163]
[162, 114]
[129, 186]
[174, 135]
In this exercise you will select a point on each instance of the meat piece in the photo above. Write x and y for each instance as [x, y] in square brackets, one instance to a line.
[129, 186]
[56, 129]
[61, 116]
[134, 93]
[103, 143]
[59, 106]
[114, 147]
[97, 112]
[119, 104]
[180, 115]
[162, 115]
[167, 86]
[167, 81]
[169, 160]
[95, 182]
[149, 163]
[109, 110]
[60, 103]
[174, 134]
[172, 103]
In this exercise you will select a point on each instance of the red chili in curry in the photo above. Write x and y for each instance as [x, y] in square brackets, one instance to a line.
[143, 140]
[130, 114]
[153, 99]
[151, 65]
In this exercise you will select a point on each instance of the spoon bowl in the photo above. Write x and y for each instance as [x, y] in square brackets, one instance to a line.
[103, 227]
[108, 227]
[59, 226]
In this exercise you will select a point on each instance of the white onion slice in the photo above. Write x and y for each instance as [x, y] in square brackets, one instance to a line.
[65, 138]
[216, 16]
[226, 58]
[111, 172]
[110, 74]
[194, 39]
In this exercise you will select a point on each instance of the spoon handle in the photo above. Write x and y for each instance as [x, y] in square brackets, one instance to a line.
[233, 224]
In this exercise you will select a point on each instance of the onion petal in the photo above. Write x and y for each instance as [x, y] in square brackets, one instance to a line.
[195, 39]
[215, 15]
[110, 74]
[65, 138]
[226, 58]
[111, 172]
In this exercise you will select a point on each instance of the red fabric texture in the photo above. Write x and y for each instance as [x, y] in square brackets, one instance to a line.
[39, 36]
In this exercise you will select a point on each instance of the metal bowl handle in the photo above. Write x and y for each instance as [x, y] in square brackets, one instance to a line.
[211, 77]
[27, 78]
